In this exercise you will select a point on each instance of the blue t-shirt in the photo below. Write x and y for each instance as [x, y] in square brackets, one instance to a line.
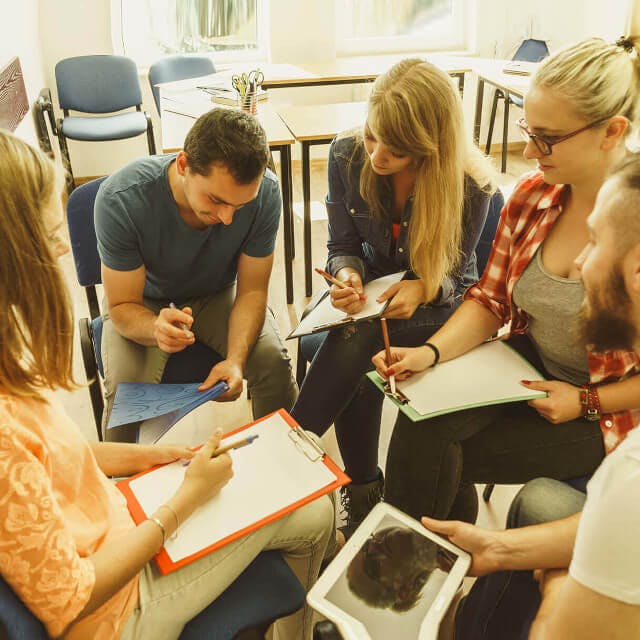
[138, 223]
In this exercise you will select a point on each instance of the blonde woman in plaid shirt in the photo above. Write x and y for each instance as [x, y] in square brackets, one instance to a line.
[580, 110]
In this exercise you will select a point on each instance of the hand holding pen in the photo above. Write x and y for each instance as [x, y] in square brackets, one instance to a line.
[171, 329]
[387, 351]
[346, 295]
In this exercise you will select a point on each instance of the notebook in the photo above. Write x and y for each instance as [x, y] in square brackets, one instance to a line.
[282, 470]
[325, 316]
[159, 405]
[488, 374]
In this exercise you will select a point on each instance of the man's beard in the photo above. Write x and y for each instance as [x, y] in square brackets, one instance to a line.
[605, 321]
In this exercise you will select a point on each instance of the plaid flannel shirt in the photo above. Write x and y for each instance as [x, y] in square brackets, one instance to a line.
[525, 222]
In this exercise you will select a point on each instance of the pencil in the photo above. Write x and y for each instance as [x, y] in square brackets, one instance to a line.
[183, 326]
[234, 445]
[331, 280]
[387, 349]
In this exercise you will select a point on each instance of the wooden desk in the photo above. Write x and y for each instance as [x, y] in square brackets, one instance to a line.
[179, 112]
[351, 70]
[358, 69]
[490, 72]
[311, 125]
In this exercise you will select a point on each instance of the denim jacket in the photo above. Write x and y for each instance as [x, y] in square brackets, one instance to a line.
[364, 242]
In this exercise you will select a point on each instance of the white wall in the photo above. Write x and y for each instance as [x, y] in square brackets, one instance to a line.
[19, 36]
[304, 32]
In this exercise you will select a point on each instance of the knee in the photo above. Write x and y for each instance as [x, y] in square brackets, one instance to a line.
[270, 364]
[319, 519]
[535, 503]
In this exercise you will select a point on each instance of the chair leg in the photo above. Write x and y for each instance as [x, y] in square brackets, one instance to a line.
[496, 96]
[488, 490]
[505, 135]
[66, 159]
[91, 371]
[151, 141]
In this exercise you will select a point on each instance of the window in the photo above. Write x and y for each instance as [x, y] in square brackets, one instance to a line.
[230, 30]
[371, 26]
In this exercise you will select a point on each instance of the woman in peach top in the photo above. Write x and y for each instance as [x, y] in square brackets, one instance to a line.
[68, 546]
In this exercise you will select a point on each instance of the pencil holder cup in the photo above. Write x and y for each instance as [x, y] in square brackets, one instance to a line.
[248, 101]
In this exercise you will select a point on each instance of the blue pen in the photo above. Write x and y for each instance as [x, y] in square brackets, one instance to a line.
[234, 445]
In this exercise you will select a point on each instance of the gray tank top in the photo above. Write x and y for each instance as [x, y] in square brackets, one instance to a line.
[552, 304]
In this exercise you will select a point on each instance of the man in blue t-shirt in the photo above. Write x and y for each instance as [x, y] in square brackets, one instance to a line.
[196, 229]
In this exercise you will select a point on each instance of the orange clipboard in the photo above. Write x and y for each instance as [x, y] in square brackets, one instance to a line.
[163, 560]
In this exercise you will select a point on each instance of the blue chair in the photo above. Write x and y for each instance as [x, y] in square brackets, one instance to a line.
[265, 591]
[178, 67]
[101, 84]
[190, 365]
[530, 51]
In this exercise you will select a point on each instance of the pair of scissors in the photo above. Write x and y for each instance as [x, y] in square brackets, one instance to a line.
[240, 83]
[256, 77]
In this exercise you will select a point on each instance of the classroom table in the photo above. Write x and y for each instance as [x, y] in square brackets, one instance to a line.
[348, 70]
[312, 125]
[179, 111]
[490, 72]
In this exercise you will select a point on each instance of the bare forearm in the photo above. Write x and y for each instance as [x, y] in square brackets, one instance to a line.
[245, 323]
[468, 327]
[135, 322]
[620, 396]
[121, 459]
[543, 546]
[118, 562]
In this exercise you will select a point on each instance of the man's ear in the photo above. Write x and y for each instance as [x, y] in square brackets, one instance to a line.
[615, 131]
[182, 162]
[632, 273]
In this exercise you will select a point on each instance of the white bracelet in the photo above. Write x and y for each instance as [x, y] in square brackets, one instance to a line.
[162, 529]
[174, 535]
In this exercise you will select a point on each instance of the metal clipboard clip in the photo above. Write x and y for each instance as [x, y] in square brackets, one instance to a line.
[398, 396]
[305, 444]
[335, 323]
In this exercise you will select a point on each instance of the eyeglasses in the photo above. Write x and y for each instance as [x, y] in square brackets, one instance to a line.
[544, 143]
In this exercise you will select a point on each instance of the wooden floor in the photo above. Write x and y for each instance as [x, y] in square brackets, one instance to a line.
[198, 425]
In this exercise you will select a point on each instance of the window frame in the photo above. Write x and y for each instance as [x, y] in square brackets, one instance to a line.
[219, 57]
[453, 37]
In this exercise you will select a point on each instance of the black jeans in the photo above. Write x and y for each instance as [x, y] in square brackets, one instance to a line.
[502, 606]
[336, 391]
[433, 464]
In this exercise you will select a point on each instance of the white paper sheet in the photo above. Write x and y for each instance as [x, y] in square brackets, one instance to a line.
[488, 374]
[326, 314]
[269, 474]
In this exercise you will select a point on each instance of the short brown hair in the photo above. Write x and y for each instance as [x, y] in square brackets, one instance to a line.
[230, 137]
[624, 218]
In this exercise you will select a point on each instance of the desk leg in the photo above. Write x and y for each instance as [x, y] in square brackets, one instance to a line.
[306, 196]
[285, 168]
[478, 115]
[291, 214]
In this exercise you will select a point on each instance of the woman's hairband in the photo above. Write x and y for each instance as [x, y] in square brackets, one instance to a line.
[626, 43]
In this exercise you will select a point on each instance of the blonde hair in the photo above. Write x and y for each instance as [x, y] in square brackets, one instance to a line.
[415, 109]
[601, 79]
[36, 324]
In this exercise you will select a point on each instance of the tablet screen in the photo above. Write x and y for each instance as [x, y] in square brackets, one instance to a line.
[392, 580]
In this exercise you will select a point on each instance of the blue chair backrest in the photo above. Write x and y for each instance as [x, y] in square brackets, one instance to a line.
[98, 84]
[178, 67]
[82, 233]
[16, 621]
[489, 231]
[531, 50]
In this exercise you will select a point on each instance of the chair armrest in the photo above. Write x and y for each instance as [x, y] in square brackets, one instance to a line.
[44, 100]
[313, 303]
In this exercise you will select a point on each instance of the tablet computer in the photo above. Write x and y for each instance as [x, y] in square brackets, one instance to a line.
[393, 578]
